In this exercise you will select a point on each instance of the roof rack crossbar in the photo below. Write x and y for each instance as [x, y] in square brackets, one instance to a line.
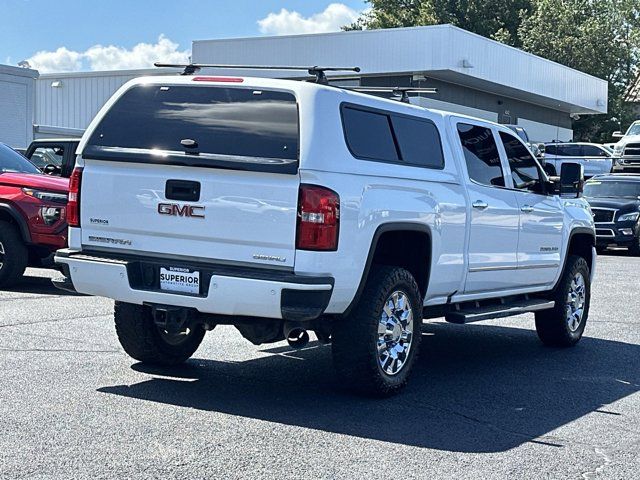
[402, 92]
[316, 71]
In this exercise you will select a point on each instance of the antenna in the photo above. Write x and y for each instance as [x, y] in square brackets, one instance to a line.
[316, 71]
[402, 92]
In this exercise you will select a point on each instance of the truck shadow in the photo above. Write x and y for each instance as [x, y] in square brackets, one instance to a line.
[39, 286]
[475, 388]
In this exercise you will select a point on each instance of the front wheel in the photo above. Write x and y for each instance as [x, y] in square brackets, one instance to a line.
[376, 345]
[13, 255]
[564, 324]
[144, 341]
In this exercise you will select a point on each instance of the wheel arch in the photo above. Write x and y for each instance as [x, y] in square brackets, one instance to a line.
[9, 214]
[582, 242]
[416, 242]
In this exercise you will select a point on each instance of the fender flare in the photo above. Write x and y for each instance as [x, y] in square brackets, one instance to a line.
[382, 229]
[577, 231]
[18, 220]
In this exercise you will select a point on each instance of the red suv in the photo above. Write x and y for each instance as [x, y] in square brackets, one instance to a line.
[33, 221]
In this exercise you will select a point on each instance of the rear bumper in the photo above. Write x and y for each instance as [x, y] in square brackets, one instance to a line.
[229, 291]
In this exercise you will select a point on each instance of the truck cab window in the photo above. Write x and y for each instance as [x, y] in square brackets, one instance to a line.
[481, 155]
[524, 168]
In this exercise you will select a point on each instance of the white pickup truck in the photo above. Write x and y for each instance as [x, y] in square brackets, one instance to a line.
[283, 207]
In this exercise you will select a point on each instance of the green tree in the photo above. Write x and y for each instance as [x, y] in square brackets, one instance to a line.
[597, 37]
[497, 19]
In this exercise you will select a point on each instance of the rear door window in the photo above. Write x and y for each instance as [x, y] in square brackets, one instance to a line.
[593, 151]
[481, 155]
[569, 150]
[238, 128]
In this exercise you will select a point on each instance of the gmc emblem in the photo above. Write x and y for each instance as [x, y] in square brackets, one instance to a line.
[177, 210]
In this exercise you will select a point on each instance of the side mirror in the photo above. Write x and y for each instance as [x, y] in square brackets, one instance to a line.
[617, 134]
[571, 180]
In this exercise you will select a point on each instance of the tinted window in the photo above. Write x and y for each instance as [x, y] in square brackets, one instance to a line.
[481, 155]
[524, 169]
[550, 149]
[419, 142]
[593, 151]
[569, 150]
[12, 161]
[201, 124]
[369, 134]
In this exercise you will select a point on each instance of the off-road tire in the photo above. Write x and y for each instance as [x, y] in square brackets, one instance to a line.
[552, 325]
[355, 337]
[142, 340]
[16, 256]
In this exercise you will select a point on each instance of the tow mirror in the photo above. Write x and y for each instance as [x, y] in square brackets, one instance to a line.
[617, 134]
[571, 180]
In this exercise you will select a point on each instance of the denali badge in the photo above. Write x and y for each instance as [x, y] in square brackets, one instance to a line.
[270, 258]
[177, 210]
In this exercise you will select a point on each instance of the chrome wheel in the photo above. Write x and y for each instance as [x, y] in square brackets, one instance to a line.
[395, 333]
[1, 255]
[576, 299]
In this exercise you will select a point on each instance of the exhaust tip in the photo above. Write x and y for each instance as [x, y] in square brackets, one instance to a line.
[298, 338]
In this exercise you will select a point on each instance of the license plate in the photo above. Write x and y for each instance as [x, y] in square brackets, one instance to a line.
[175, 279]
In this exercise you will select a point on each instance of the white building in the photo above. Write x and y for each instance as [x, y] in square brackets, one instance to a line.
[474, 75]
[17, 99]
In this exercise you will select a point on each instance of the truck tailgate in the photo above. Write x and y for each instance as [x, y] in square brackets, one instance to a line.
[239, 216]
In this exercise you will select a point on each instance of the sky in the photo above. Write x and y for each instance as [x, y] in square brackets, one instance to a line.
[75, 35]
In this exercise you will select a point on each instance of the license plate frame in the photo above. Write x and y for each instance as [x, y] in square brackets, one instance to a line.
[180, 280]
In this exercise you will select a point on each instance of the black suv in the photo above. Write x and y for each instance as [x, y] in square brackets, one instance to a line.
[615, 203]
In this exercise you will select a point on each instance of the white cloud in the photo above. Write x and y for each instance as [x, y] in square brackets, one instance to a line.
[288, 22]
[99, 57]
[62, 60]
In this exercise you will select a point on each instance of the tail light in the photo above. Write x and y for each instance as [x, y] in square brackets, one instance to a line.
[318, 218]
[73, 206]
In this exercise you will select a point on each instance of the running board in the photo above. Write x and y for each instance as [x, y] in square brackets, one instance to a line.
[468, 315]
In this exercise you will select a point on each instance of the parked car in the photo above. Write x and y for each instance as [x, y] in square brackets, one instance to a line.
[615, 203]
[536, 148]
[32, 216]
[595, 159]
[627, 150]
[303, 207]
[53, 156]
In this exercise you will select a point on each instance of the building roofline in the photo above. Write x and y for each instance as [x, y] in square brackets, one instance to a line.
[399, 29]
[18, 71]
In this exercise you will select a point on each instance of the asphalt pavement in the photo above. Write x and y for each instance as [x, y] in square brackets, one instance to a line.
[486, 400]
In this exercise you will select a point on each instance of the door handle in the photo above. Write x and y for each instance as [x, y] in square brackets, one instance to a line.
[479, 204]
[527, 209]
[182, 190]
